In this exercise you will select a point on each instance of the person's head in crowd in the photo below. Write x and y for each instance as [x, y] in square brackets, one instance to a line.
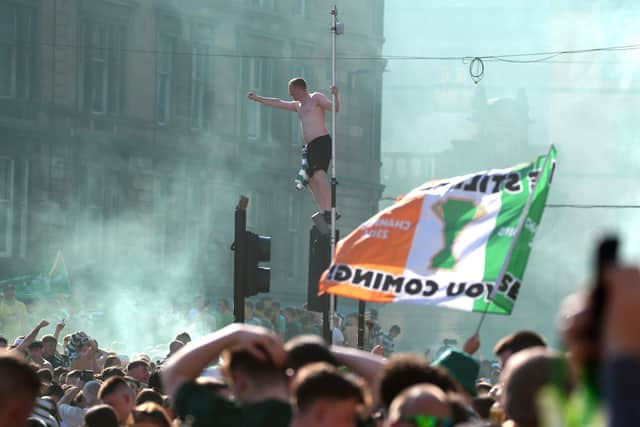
[35, 350]
[46, 410]
[259, 309]
[275, 308]
[462, 367]
[482, 406]
[174, 346]
[425, 404]
[351, 319]
[267, 302]
[101, 416]
[9, 293]
[90, 393]
[155, 381]
[19, 386]
[139, 369]
[55, 392]
[252, 379]
[117, 393]
[518, 341]
[114, 371]
[215, 386]
[405, 370]
[325, 397]
[45, 375]
[49, 345]
[151, 414]
[35, 422]
[306, 349]
[525, 375]
[184, 337]
[74, 378]
[483, 388]
[248, 310]
[223, 305]
[135, 385]
[3, 343]
[395, 331]
[58, 372]
[148, 395]
[112, 361]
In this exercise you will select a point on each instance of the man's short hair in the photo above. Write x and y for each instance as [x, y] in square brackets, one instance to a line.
[519, 341]
[54, 390]
[112, 361]
[254, 368]
[395, 328]
[112, 385]
[18, 379]
[45, 375]
[405, 370]
[298, 82]
[48, 338]
[100, 416]
[184, 337]
[149, 395]
[306, 349]
[113, 371]
[323, 381]
[74, 373]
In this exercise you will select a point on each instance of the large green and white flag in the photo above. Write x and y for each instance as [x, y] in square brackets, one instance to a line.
[448, 242]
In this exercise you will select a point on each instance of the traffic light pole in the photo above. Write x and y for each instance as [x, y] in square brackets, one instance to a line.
[239, 270]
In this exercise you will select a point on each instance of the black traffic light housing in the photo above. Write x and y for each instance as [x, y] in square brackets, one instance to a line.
[258, 251]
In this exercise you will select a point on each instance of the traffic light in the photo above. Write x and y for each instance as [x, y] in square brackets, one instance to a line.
[258, 251]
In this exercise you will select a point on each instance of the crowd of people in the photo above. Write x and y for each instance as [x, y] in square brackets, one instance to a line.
[274, 371]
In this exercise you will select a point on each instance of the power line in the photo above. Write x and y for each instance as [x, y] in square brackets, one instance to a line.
[589, 206]
[542, 56]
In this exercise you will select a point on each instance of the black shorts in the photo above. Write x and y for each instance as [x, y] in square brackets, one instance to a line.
[319, 154]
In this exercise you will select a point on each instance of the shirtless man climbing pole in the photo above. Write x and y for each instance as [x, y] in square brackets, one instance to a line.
[311, 109]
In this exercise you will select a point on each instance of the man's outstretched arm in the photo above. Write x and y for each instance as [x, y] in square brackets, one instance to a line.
[273, 102]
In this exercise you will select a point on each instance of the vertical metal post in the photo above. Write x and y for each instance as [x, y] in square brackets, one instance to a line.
[240, 256]
[334, 20]
[361, 311]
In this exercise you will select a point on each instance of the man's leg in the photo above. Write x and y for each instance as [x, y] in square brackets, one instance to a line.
[321, 190]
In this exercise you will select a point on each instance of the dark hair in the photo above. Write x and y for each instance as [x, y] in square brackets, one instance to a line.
[155, 382]
[35, 422]
[395, 328]
[184, 337]
[247, 362]
[35, 344]
[482, 406]
[148, 395]
[306, 349]
[323, 381]
[519, 341]
[4, 340]
[112, 385]
[54, 390]
[405, 370]
[111, 361]
[113, 371]
[151, 411]
[74, 373]
[298, 82]
[101, 416]
[45, 375]
[49, 338]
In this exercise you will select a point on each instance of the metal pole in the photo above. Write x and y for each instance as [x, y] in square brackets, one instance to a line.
[240, 248]
[334, 18]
